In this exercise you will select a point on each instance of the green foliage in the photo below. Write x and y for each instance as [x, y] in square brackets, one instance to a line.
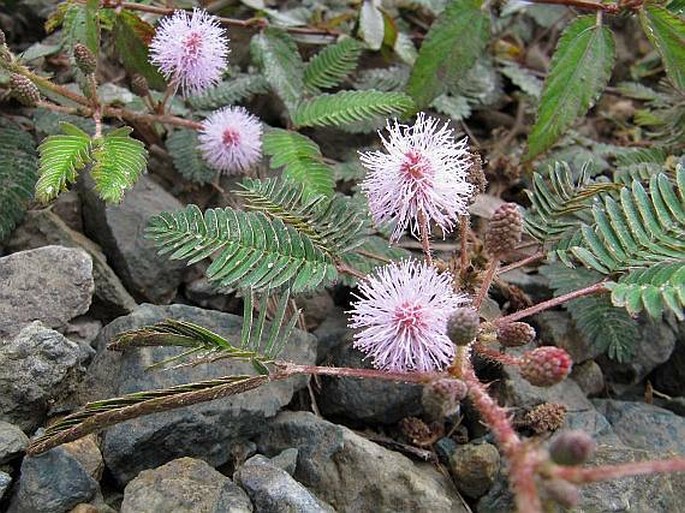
[579, 72]
[607, 328]
[132, 36]
[456, 107]
[332, 224]
[639, 229]
[229, 92]
[280, 62]
[81, 25]
[182, 146]
[393, 78]
[348, 107]
[18, 173]
[453, 43]
[332, 65]
[521, 77]
[655, 289]
[373, 252]
[300, 159]
[666, 31]
[250, 249]
[664, 112]
[62, 157]
[118, 161]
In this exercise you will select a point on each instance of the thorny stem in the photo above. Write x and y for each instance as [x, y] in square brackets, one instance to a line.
[581, 475]
[463, 248]
[425, 241]
[487, 281]
[374, 256]
[497, 356]
[597, 288]
[346, 269]
[170, 90]
[584, 4]
[520, 263]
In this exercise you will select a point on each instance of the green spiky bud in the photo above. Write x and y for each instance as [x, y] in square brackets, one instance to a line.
[24, 90]
[545, 366]
[504, 230]
[462, 326]
[84, 58]
[139, 85]
[442, 397]
[572, 448]
[515, 334]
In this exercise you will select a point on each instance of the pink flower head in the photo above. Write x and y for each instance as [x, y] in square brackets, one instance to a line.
[190, 50]
[423, 170]
[403, 317]
[231, 139]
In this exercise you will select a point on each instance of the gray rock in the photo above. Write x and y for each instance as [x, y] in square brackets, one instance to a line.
[86, 451]
[38, 366]
[286, 460]
[365, 400]
[52, 284]
[119, 229]
[43, 227]
[13, 441]
[53, 482]
[330, 332]
[185, 485]
[557, 328]
[354, 474]
[205, 430]
[533, 284]
[272, 490]
[670, 376]
[589, 377]
[474, 467]
[644, 426]
[5, 482]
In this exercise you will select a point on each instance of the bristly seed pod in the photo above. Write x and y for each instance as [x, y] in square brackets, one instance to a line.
[85, 60]
[504, 230]
[546, 417]
[441, 398]
[462, 326]
[139, 85]
[24, 90]
[515, 334]
[572, 448]
[545, 366]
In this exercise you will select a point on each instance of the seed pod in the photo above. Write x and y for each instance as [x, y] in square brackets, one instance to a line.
[139, 85]
[546, 417]
[515, 334]
[504, 230]
[442, 397]
[462, 326]
[85, 60]
[572, 448]
[24, 90]
[545, 366]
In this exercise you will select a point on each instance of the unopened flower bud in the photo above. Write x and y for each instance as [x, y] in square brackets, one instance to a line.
[441, 398]
[504, 230]
[515, 334]
[462, 326]
[572, 448]
[84, 58]
[24, 90]
[562, 492]
[545, 366]
[139, 85]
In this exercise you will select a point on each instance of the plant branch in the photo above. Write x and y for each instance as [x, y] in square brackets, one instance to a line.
[287, 369]
[520, 263]
[487, 281]
[583, 4]
[425, 241]
[581, 475]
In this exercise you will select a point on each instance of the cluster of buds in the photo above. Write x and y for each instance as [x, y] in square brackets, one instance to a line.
[24, 90]
[504, 230]
[545, 366]
[84, 59]
[515, 334]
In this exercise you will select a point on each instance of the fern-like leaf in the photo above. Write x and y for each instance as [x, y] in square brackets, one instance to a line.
[232, 91]
[330, 66]
[251, 250]
[348, 107]
[383, 79]
[18, 173]
[182, 145]
[332, 224]
[62, 157]
[118, 161]
[300, 159]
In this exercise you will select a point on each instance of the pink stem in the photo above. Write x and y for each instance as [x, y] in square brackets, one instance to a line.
[524, 261]
[487, 281]
[580, 475]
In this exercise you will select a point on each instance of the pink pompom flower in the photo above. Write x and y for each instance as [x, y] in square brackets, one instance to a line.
[190, 50]
[231, 140]
[403, 317]
[423, 171]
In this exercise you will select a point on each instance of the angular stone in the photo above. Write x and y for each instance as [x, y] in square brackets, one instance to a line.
[354, 474]
[5, 482]
[13, 441]
[185, 485]
[52, 284]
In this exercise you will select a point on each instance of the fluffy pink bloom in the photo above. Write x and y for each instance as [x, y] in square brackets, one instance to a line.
[403, 317]
[231, 139]
[190, 50]
[423, 169]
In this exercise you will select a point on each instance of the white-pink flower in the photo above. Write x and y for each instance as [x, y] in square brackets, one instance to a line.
[402, 317]
[231, 139]
[190, 50]
[422, 170]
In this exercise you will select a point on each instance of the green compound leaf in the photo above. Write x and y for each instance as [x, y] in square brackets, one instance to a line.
[347, 107]
[81, 25]
[230, 92]
[666, 31]
[132, 37]
[62, 157]
[18, 174]
[330, 66]
[118, 161]
[453, 43]
[182, 146]
[280, 62]
[580, 69]
[300, 159]
[250, 250]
